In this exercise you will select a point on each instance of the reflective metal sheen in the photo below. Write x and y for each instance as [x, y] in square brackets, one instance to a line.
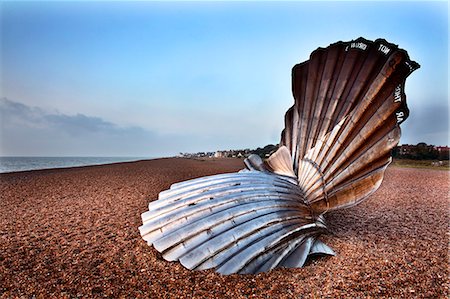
[334, 149]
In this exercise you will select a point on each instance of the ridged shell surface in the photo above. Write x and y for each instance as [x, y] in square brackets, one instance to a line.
[245, 222]
[349, 102]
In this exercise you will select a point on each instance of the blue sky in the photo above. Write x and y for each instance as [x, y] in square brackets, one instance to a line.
[158, 78]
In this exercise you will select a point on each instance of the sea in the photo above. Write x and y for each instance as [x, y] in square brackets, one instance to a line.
[12, 164]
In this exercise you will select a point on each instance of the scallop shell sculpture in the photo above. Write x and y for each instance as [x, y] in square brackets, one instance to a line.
[334, 149]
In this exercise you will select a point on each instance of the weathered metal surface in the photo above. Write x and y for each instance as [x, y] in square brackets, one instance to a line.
[349, 102]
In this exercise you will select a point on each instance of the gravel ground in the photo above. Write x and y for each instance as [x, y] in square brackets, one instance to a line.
[73, 233]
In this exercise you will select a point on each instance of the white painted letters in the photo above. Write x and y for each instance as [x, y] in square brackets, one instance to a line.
[398, 94]
[384, 49]
[359, 45]
[400, 115]
[409, 65]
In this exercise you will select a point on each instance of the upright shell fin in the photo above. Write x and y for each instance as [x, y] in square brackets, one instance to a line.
[349, 102]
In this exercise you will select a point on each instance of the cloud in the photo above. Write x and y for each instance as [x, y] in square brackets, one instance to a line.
[32, 131]
[29, 131]
[14, 113]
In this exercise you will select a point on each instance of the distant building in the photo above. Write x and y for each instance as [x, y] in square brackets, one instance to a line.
[233, 153]
[220, 154]
[442, 148]
[196, 155]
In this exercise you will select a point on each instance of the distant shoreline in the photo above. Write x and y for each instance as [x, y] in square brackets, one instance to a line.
[398, 163]
[17, 164]
[233, 162]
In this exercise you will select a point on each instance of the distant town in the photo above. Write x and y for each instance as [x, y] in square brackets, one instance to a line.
[420, 151]
[240, 153]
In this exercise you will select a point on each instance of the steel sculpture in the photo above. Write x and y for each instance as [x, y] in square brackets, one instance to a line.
[334, 149]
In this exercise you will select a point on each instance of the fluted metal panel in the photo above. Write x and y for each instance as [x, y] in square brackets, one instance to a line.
[348, 118]
[348, 103]
[229, 222]
[321, 248]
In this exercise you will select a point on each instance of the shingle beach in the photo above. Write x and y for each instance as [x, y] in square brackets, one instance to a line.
[67, 233]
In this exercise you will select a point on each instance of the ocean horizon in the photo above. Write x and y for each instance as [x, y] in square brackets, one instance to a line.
[18, 163]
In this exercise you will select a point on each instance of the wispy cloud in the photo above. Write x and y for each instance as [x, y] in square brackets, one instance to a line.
[14, 114]
[26, 130]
